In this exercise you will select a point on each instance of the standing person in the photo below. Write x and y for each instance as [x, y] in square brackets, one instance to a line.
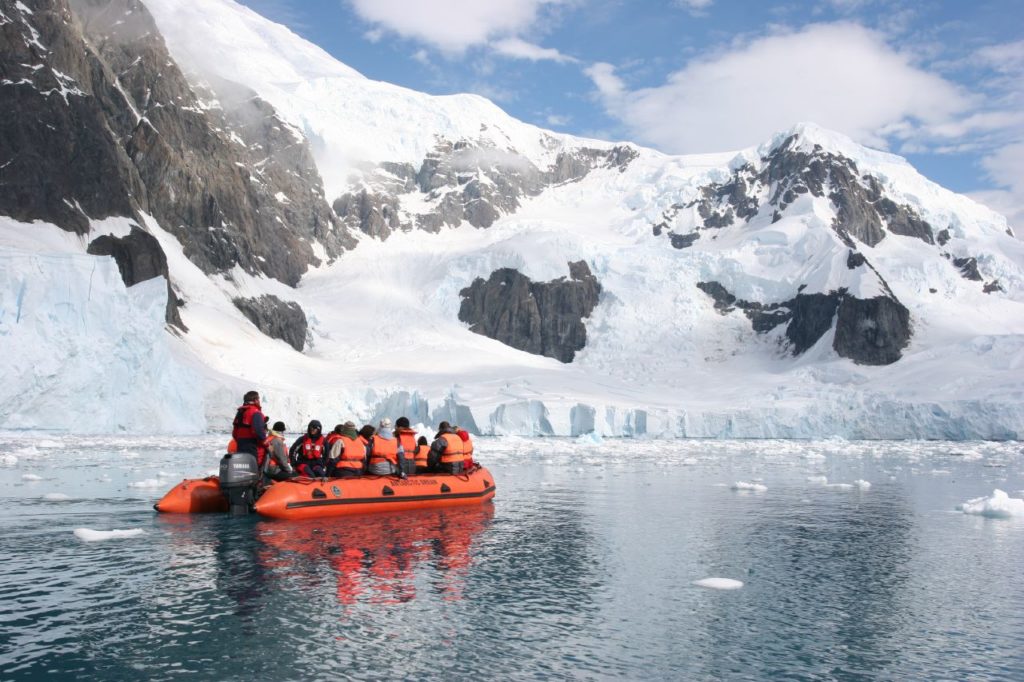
[249, 428]
[278, 467]
[407, 439]
[446, 452]
[347, 457]
[386, 456]
[307, 452]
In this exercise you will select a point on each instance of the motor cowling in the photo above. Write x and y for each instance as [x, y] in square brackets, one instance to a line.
[239, 478]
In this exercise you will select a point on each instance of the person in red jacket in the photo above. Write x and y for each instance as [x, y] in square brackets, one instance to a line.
[249, 429]
[309, 450]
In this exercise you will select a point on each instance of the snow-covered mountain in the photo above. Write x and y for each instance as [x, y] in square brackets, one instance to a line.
[356, 249]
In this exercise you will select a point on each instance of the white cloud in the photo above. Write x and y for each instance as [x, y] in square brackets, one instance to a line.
[558, 120]
[697, 7]
[518, 48]
[1009, 204]
[452, 25]
[841, 76]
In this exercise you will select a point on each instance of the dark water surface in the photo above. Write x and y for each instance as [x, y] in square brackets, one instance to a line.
[582, 568]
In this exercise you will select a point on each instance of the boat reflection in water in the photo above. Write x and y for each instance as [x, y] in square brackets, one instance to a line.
[377, 558]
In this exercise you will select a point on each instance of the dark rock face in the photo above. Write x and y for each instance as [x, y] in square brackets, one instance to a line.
[968, 268]
[862, 211]
[465, 180]
[543, 318]
[868, 331]
[872, 331]
[139, 258]
[278, 319]
[120, 132]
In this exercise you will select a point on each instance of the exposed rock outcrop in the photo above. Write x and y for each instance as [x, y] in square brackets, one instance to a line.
[543, 318]
[470, 181]
[139, 258]
[868, 331]
[96, 120]
[278, 319]
[863, 212]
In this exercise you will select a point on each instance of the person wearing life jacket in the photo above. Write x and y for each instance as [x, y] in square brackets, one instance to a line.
[277, 466]
[385, 453]
[447, 451]
[421, 456]
[249, 428]
[407, 439]
[467, 448]
[333, 437]
[347, 456]
[308, 451]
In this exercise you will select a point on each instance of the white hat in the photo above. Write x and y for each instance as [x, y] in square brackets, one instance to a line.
[385, 423]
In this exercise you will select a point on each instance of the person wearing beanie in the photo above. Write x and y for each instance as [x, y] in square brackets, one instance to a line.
[277, 467]
[407, 439]
[347, 457]
[308, 451]
[447, 453]
[385, 453]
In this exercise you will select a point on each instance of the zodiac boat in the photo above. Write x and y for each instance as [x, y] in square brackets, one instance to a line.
[305, 498]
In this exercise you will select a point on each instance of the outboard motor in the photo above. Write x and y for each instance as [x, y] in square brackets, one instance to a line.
[239, 476]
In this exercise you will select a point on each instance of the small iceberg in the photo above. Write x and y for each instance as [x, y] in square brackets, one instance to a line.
[999, 506]
[148, 483]
[56, 497]
[8, 460]
[31, 477]
[820, 480]
[752, 487]
[719, 583]
[90, 535]
[862, 484]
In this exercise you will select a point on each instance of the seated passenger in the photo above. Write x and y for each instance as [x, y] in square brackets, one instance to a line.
[307, 452]
[467, 448]
[422, 457]
[407, 439]
[347, 458]
[277, 467]
[446, 452]
[385, 454]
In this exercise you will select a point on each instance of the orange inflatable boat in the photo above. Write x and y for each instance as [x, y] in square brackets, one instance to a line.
[317, 498]
[307, 498]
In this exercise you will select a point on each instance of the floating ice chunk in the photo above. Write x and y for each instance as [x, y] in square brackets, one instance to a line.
[940, 472]
[592, 438]
[839, 486]
[56, 497]
[999, 506]
[166, 474]
[147, 483]
[821, 480]
[689, 461]
[90, 535]
[752, 487]
[48, 444]
[719, 583]
[862, 484]
[31, 477]
[8, 460]
[814, 456]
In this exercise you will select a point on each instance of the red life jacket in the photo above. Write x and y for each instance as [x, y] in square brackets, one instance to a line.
[242, 426]
[332, 438]
[384, 450]
[407, 439]
[312, 450]
[467, 449]
[453, 451]
[353, 453]
[232, 446]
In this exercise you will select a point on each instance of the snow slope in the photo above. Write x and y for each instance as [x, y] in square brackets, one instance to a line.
[386, 339]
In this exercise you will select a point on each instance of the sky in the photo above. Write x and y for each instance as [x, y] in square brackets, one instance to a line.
[940, 82]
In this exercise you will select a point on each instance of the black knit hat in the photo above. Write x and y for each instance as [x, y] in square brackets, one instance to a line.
[402, 422]
[279, 427]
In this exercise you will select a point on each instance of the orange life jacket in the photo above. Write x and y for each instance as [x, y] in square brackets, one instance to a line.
[332, 438]
[384, 450]
[407, 438]
[422, 451]
[232, 446]
[312, 450]
[353, 453]
[453, 451]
